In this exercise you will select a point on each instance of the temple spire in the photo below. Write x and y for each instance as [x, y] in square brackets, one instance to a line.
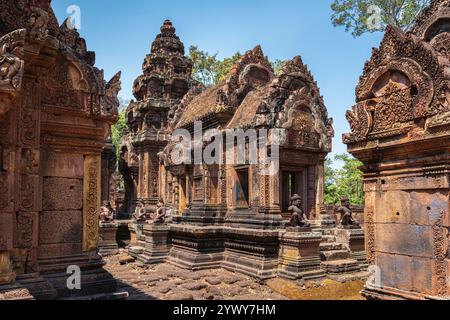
[167, 42]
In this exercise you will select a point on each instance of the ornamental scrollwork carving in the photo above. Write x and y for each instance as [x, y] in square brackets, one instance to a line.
[293, 102]
[11, 67]
[440, 253]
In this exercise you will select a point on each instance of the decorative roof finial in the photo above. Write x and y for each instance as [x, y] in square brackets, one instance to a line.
[167, 28]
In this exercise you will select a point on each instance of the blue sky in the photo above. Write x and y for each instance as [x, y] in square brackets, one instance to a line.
[121, 32]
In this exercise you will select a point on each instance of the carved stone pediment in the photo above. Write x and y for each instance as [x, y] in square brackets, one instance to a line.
[404, 82]
[293, 102]
[429, 22]
[11, 67]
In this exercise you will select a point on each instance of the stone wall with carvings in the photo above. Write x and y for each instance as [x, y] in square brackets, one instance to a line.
[400, 130]
[56, 110]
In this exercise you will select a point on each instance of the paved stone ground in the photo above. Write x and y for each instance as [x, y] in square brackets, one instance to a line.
[166, 282]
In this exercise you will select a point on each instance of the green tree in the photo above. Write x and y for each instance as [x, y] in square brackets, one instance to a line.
[223, 68]
[330, 183]
[362, 16]
[116, 129]
[205, 66]
[208, 69]
[346, 181]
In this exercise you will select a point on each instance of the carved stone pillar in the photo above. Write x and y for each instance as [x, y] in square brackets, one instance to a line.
[91, 201]
[28, 180]
[320, 180]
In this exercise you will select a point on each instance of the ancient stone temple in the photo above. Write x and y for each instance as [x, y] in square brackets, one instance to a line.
[55, 115]
[165, 81]
[401, 132]
[230, 215]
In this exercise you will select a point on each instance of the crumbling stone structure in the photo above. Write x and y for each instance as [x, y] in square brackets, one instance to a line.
[401, 132]
[55, 114]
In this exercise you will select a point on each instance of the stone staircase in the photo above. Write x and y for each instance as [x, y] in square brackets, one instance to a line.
[336, 258]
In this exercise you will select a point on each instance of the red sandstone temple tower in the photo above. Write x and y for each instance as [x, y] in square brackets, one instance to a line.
[230, 215]
[55, 113]
[165, 81]
[401, 132]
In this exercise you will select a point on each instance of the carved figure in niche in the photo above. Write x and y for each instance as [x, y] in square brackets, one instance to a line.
[347, 219]
[159, 216]
[298, 216]
[10, 66]
[141, 214]
[106, 212]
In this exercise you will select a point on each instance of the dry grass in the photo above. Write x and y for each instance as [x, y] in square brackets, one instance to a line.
[323, 290]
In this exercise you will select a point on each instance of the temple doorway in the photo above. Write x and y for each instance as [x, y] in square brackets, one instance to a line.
[241, 194]
[293, 182]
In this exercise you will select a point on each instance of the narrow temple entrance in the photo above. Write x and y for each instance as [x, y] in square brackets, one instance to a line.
[241, 189]
[292, 183]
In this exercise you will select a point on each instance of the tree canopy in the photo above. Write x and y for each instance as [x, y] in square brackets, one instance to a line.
[346, 181]
[210, 70]
[362, 16]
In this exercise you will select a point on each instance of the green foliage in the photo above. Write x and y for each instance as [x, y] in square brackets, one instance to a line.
[116, 129]
[208, 69]
[362, 16]
[347, 181]
[205, 65]
[224, 67]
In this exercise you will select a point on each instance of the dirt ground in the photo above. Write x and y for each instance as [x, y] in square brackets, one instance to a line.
[167, 282]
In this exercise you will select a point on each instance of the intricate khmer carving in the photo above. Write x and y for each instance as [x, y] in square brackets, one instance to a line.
[110, 102]
[401, 118]
[91, 202]
[11, 67]
[293, 101]
[298, 218]
[38, 23]
[25, 227]
[347, 218]
[440, 252]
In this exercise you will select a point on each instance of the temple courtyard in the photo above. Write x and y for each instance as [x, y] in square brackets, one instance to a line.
[167, 282]
[220, 190]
